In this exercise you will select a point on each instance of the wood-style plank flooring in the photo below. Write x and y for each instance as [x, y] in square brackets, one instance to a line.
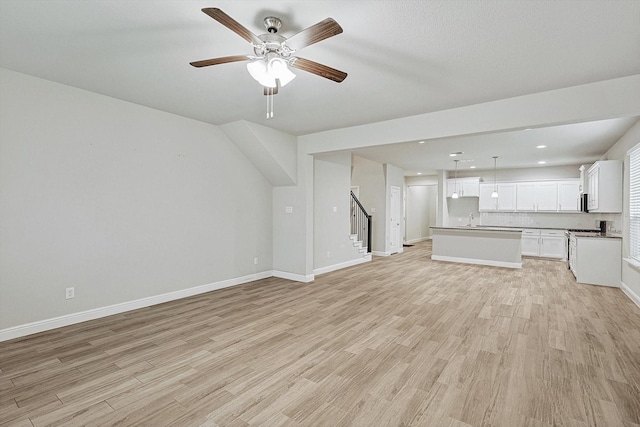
[400, 341]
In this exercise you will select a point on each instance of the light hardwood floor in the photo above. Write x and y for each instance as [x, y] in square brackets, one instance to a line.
[400, 341]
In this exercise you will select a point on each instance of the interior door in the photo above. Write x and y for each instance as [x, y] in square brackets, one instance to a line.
[396, 215]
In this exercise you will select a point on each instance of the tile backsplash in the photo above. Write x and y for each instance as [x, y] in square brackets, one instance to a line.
[551, 220]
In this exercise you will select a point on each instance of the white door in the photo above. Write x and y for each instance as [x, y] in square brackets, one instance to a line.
[396, 215]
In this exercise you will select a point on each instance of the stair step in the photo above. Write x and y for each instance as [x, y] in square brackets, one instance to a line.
[357, 244]
[353, 236]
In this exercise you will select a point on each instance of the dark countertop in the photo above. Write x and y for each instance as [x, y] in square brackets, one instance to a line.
[480, 228]
[595, 235]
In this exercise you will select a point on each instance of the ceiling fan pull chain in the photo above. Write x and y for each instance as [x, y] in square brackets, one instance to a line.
[271, 117]
[268, 103]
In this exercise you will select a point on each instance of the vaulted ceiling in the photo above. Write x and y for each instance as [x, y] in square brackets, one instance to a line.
[403, 57]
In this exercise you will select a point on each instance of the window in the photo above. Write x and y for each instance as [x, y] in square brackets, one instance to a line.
[634, 203]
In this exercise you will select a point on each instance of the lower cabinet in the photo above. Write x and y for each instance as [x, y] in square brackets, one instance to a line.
[553, 244]
[596, 260]
[544, 243]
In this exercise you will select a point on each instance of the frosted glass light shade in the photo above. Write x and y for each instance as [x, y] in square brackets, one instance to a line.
[494, 194]
[454, 195]
[266, 73]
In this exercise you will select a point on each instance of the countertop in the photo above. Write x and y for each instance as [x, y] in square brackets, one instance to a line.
[596, 235]
[480, 228]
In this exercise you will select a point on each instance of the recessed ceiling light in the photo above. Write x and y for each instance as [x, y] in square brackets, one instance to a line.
[457, 153]
[420, 142]
[541, 146]
[527, 129]
[472, 167]
[541, 162]
[419, 173]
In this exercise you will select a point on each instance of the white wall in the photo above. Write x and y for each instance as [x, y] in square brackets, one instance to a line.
[293, 232]
[630, 274]
[331, 230]
[369, 176]
[120, 201]
[420, 212]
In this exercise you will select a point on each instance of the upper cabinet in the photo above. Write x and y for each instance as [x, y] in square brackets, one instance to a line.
[505, 202]
[604, 190]
[465, 187]
[537, 196]
[542, 196]
[569, 196]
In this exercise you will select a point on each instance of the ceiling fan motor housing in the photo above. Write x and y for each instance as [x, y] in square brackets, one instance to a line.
[272, 43]
[272, 24]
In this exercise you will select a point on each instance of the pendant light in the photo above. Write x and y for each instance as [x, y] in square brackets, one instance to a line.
[495, 184]
[455, 190]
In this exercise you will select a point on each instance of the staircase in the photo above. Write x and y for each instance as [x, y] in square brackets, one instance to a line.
[358, 244]
[360, 227]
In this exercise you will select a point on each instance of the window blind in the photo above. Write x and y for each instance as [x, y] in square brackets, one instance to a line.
[634, 203]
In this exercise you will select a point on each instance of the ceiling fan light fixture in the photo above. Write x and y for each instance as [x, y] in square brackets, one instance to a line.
[279, 69]
[267, 73]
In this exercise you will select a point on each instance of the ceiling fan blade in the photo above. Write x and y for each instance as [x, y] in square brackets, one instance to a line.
[222, 60]
[314, 34]
[318, 69]
[232, 24]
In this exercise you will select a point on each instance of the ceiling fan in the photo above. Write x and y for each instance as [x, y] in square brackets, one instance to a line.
[273, 53]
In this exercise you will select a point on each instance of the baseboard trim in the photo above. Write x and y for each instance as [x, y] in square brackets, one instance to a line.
[378, 253]
[629, 292]
[413, 241]
[292, 276]
[96, 313]
[341, 265]
[477, 261]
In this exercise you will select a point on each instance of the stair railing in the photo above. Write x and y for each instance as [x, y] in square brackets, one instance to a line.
[360, 222]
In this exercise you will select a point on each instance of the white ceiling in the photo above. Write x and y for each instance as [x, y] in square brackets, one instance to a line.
[404, 57]
[571, 144]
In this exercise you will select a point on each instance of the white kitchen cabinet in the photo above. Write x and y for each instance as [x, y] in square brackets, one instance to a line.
[544, 243]
[487, 203]
[546, 196]
[506, 197]
[471, 187]
[530, 242]
[569, 196]
[537, 196]
[465, 187]
[605, 186]
[596, 260]
[553, 244]
[505, 202]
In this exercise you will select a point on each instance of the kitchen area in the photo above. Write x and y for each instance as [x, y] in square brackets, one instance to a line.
[573, 220]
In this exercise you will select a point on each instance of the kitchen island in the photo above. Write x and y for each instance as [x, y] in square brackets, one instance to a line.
[498, 247]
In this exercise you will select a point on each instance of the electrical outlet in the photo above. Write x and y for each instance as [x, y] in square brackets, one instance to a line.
[70, 293]
[255, 261]
[328, 254]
